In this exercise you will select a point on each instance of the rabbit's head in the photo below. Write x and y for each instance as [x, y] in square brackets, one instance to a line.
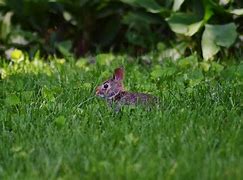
[113, 86]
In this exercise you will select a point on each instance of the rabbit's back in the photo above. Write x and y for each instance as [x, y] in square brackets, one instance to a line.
[132, 98]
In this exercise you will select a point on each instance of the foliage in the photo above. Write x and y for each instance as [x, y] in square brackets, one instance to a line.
[52, 127]
[81, 26]
[215, 37]
[218, 32]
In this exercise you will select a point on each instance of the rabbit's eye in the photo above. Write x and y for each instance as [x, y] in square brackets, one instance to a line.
[105, 86]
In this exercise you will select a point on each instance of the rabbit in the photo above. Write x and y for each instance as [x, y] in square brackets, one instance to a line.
[113, 91]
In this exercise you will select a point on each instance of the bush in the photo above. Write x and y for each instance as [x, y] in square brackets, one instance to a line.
[136, 26]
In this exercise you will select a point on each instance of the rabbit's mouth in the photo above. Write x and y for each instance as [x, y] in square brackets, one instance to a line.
[100, 94]
[108, 94]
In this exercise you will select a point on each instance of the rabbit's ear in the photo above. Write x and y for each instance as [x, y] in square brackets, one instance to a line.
[118, 74]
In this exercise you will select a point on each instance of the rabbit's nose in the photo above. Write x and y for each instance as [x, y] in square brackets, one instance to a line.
[97, 91]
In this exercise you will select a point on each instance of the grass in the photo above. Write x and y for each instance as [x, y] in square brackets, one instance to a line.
[53, 128]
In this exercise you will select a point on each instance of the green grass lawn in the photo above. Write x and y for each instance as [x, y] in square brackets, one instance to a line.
[51, 127]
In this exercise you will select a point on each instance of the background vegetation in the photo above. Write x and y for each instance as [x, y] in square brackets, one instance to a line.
[175, 27]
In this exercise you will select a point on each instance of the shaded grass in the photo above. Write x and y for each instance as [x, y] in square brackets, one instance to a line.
[56, 131]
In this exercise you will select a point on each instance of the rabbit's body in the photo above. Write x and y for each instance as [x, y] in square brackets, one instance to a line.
[131, 98]
[113, 91]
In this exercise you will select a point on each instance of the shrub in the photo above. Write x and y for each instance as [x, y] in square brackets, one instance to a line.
[82, 26]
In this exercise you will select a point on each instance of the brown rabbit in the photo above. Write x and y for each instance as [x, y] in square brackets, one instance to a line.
[113, 91]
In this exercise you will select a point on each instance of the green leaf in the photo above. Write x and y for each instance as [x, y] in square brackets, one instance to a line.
[229, 73]
[215, 36]
[150, 5]
[104, 59]
[208, 11]
[174, 53]
[12, 100]
[87, 86]
[195, 77]
[217, 67]
[60, 121]
[163, 72]
[209, 48]
[6, 25]
[48, 94]
[64, 47]
[186, 24]
[140, 18]
[224, 2]
[239, 71]
[188, 62]
[205, 66]
[2, 2]
[131, 139]
[238, 12]
[177, 4]
[81, 62]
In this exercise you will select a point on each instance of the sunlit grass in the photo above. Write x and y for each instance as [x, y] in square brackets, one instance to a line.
[52, 126]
